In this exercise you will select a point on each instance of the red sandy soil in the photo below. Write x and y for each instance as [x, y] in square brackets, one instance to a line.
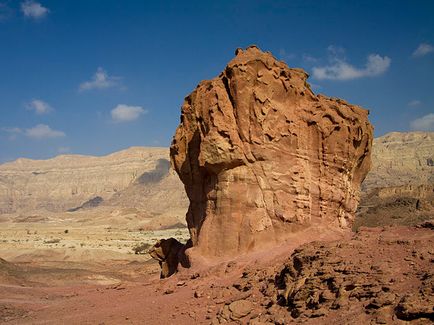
[244, 290]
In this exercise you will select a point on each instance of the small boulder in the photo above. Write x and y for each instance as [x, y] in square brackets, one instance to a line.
[240, 308]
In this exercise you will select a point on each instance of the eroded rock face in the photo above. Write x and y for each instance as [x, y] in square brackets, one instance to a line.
[261, 156]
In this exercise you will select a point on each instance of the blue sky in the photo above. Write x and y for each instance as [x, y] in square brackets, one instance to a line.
[93, 77]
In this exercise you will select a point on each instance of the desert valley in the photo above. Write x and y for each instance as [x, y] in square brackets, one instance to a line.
[291, 211]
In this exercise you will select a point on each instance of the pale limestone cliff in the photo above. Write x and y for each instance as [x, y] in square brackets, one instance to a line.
[136, 177]
[401, 158]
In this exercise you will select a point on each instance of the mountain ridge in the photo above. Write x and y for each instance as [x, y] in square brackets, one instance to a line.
[66, 182]
[120, 153]
[130, 178]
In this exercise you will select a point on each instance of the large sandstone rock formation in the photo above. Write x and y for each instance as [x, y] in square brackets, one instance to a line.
[137, 177]
[261, 156]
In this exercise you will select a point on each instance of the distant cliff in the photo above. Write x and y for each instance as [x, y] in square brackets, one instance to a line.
[399, 189]
[401, 158]
[133, 178]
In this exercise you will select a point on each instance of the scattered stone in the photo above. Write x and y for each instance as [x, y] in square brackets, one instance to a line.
[416, 306]
[240, 308]
[427, 224]
[225, 313]
[215, 321]
[192, 314]
[195, 276]
[198, 294]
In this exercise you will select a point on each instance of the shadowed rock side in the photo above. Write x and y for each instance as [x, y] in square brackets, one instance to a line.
[169, 253]
[92, 203]
[261, 156]
[161, 170]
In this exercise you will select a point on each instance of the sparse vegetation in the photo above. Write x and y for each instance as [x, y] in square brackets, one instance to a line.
[52, 241]
[141, 248]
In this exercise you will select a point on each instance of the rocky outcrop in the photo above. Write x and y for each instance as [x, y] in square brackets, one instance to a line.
[261, 156]
[169, 253]
[380, 276]
[319, 279]
[133, 178]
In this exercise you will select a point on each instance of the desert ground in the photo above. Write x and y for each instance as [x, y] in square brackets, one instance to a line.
[51, 262]
[378, 267]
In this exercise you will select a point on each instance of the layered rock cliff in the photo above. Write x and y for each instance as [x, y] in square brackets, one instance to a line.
[399, 189]
[136, 177]
[401, 158]
[261, 156]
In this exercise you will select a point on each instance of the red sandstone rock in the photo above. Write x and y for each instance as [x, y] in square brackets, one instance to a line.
[262, 157]
[380, 276]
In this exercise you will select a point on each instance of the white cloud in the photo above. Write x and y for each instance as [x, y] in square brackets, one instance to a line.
[125, 113]
[42, 131]
[39, 106]
[422, 50]
[100, 80]
[33, 9]
[424, 123]
[340, 69]
[13, 132]
[336, 51]
[414, 103]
